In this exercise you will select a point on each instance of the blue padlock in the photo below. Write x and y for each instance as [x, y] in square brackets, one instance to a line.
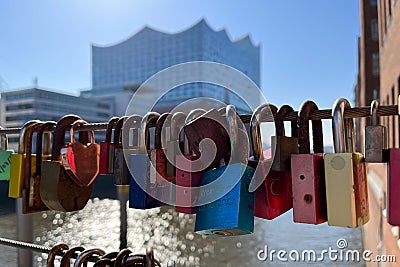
[232, 213]
[141, 188]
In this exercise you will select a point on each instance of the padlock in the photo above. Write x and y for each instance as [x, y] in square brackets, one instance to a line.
[18, 163]
[5, 158]
[187, 172]
[141, 185]
[31, 201]
[308, 176]
[393, 184]
[176, 141]
[81, 161]
[164, 183]
[211, 125]
[274, 195]
[121, 170]
[57, 190]
[375, 138]
[233, 211]
[345, 174]
[282, 146]
[106, 165]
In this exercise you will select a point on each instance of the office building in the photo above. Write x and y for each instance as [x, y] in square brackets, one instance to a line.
[19, 106]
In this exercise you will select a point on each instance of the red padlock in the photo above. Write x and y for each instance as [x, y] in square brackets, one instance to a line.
[159, 163]
[106, 165]
[393, 187]
[308, 173]
[187, 174]
[274, 195]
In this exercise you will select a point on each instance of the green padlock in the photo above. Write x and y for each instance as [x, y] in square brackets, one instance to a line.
[18, 162]
[5, 158]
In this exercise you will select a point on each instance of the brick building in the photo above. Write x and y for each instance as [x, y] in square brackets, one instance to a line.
[367, 87]
[384, 67]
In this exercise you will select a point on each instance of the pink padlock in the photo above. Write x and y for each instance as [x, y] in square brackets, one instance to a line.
[308, 175]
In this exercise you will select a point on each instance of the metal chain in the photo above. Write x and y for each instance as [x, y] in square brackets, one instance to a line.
[322, 114]
[37, 248]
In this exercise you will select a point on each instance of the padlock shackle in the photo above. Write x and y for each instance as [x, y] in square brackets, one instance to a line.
[39, 141]
[231, 118]
[28, 153]
[194, 114]
[259, 115]
[304, 134]
[374, 112]
[3, 140]
[73, 128]
[158, 135]
[131, 122]
[283, 110]
[59, 135]
[177, 122]
[21, 144]
[342, 129]
[117, 130]
[149, 119]
[110, 126]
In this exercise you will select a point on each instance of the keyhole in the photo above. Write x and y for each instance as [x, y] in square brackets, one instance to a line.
[302, 177]
[308, 198]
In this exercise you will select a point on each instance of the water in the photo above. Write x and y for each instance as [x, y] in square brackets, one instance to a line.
[171, 235]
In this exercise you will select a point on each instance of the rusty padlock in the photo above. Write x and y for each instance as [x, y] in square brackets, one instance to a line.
[345, 174]
[308, 174]
[57, 190]
[18, 163]
[106, 165]
[283, 146]
[188, 175]
[274, 195]
[31, 201]
[81, 161]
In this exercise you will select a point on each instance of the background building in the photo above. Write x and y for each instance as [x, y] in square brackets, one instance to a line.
[379, 236]
[116, 69]
[19, 106]
[367, 87]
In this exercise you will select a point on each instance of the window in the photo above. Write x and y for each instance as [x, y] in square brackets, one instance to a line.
[374, 2]
[375, 64]
[374, 30]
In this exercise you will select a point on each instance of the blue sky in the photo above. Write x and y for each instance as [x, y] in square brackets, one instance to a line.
[309, 48]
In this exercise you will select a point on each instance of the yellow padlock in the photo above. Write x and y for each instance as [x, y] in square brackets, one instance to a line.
[345, 174]
[18, 162]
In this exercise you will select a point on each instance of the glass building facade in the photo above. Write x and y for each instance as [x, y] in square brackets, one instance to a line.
[137, 58]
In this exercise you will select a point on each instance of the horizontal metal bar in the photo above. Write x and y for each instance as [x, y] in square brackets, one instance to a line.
[322, 114]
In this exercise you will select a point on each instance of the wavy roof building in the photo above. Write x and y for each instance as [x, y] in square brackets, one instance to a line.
[131, 62]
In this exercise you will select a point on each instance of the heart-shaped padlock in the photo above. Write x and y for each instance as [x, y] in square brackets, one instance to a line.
[79, 160]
